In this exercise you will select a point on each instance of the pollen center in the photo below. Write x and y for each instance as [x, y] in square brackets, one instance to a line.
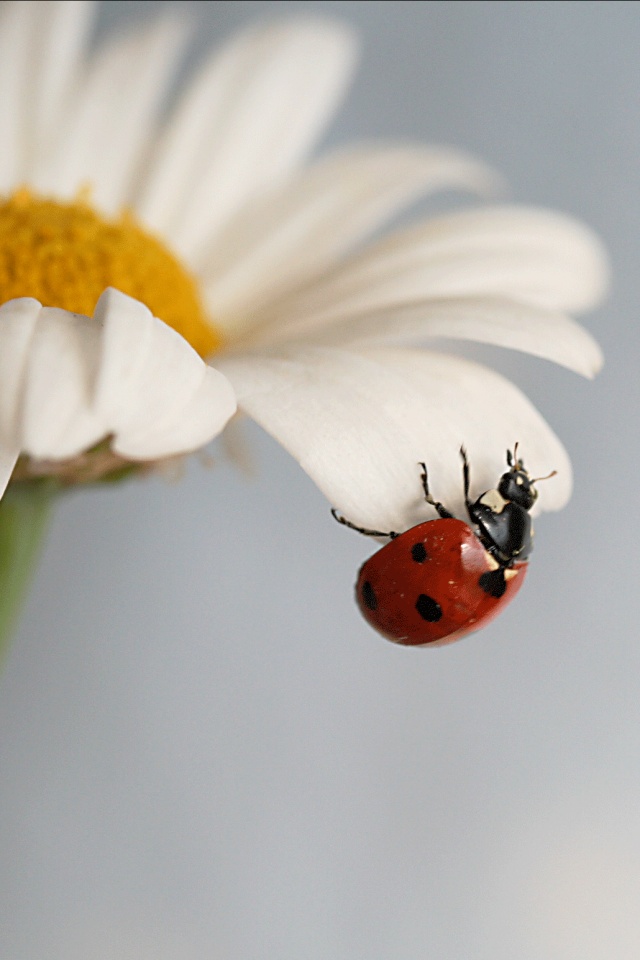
[65, 255]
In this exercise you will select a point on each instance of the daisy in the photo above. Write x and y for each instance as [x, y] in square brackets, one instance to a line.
[134, 249]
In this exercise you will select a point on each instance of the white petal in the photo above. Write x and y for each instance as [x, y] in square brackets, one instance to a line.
[195, 421]
[16, 29]
[61, 31]
[109, 125]
[57, 416]
[40, 45]
[359, 422]
[153, 391]
[18, 319]
[500, 322]
[70, 381]
[540, 257]
[246, 122]
[298, 231]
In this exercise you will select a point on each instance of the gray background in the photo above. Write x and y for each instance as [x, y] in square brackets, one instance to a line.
[205, 752]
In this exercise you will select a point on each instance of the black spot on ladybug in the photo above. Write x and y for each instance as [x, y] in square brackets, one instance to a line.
[418, 552]
[368, 596]
[493, 583]
[428, 608]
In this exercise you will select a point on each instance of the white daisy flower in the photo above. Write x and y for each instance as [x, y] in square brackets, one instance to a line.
[252, 259]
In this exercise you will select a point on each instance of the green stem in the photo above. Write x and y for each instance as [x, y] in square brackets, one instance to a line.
[24, 512]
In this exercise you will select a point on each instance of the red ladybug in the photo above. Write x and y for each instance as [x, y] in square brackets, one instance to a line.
[443, 578]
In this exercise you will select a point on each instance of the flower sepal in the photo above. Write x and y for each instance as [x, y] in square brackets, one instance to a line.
[98, 464]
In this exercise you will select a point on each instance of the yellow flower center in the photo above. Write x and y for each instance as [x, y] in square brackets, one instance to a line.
[65, 255]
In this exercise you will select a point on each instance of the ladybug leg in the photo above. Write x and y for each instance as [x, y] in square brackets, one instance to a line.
[367, 533]
[484, 540]
[442, 511]
[466, 481]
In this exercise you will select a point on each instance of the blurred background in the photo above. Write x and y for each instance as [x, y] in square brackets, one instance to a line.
[207, 755]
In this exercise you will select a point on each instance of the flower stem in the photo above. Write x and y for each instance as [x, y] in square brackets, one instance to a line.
[24, 512]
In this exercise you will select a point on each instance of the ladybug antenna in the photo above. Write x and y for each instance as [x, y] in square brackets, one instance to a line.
[548, 477]
[512, 457]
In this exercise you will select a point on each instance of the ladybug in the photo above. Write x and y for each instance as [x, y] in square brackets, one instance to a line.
[445, 578]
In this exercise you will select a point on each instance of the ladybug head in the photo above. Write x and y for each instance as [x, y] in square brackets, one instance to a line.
[516, 485]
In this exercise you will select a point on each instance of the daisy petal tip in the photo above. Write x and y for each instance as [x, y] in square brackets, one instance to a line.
[596, 361]
[485, 180]
[200, 419]
[19, 307]
[332, 32]
[462, 170]
[597, 270]
[580, 255]
[584, 355]
[112, 299]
